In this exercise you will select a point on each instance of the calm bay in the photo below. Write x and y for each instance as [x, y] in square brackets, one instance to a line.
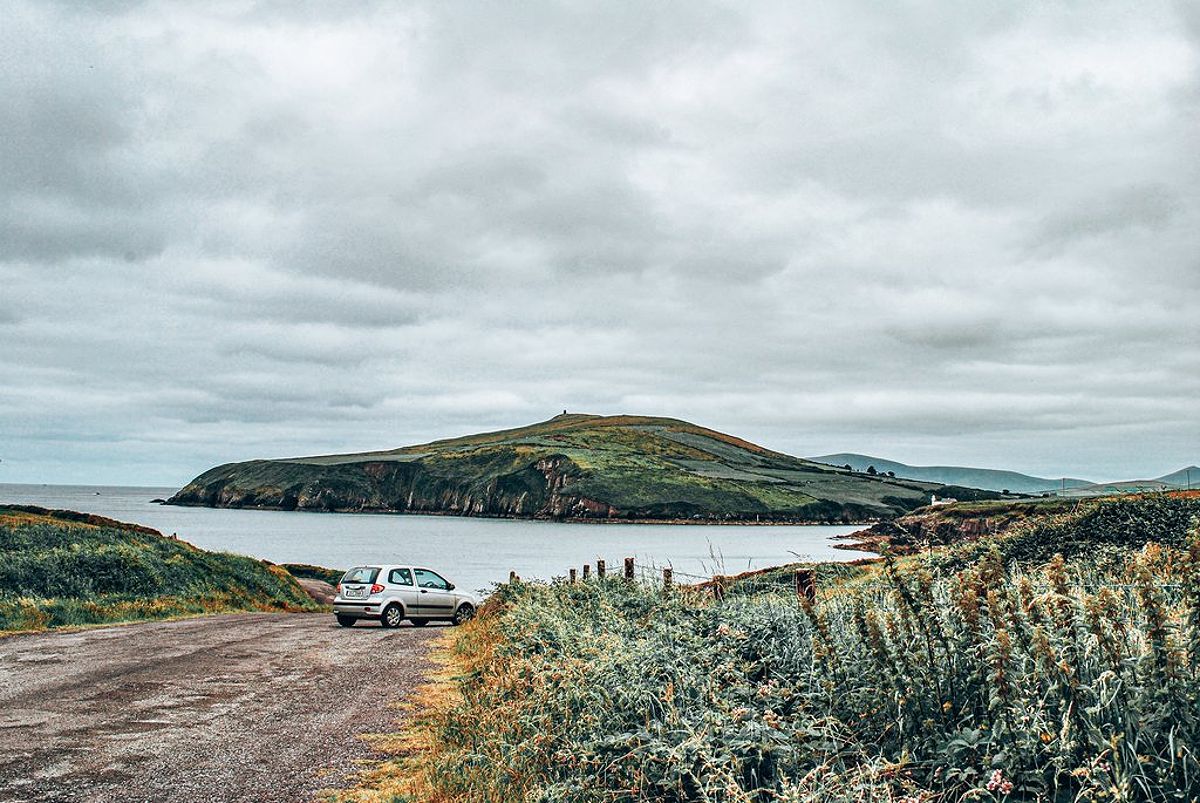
[473, 552]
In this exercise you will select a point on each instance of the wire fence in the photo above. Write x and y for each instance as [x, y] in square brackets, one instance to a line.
[799, 583]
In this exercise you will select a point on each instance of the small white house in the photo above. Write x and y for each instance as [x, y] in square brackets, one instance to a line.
[935, 502]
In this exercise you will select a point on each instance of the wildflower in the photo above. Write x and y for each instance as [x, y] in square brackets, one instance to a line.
[998, 783]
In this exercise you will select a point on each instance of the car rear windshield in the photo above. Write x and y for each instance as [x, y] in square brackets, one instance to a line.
[361, 574]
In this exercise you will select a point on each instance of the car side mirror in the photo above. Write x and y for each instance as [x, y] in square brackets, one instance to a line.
[449, 586]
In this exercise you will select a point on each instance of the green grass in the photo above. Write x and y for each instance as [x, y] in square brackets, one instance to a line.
[62, 569]
[997, 671]
[576, 466]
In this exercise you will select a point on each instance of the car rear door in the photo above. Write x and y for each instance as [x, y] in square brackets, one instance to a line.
[436, 601]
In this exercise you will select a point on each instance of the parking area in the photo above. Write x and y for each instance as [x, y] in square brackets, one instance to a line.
[247, 707]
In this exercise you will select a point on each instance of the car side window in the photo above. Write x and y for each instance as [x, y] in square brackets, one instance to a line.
[428, 579]
[401, 577]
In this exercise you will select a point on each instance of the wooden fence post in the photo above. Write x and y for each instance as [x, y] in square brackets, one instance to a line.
[629, 569]
[806, 585]
[666, 580]
[587, 571]
[600, 569]
[718, 586]
[572, 575]
[512, 577]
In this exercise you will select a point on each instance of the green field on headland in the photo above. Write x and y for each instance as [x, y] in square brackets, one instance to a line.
[1057, 661]
[59, 568]
[572, 467]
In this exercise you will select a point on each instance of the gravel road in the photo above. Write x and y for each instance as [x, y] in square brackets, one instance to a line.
[241, 707]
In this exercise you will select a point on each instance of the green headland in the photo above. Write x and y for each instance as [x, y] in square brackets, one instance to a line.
[581, 467]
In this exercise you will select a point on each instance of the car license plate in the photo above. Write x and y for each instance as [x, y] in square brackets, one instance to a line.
[356, 593]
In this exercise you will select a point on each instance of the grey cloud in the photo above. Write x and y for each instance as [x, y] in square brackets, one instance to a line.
[1150, 207]
[284, 228]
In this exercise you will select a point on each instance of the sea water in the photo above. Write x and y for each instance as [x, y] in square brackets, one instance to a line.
[474, 553]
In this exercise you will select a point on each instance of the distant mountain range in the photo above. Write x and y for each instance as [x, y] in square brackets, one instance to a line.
[1174, 481]
[1015, 482]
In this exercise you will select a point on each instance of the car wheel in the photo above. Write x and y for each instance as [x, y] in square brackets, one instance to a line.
[464, 613]
[419, 622]
[392, 616]
[346, 621]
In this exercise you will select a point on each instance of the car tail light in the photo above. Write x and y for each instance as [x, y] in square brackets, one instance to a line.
[376, 588]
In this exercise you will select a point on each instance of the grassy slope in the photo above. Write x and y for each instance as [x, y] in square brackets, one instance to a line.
[1006, 673]
[572, 466]
[61, 568]
[973, 521]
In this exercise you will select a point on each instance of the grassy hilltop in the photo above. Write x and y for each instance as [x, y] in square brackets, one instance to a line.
[62, 568]
[570, 467]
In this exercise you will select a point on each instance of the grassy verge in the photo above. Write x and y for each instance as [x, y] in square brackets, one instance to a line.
[59, 568]
[997, 672]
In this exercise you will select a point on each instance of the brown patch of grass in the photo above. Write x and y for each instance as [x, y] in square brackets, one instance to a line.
[24, 518]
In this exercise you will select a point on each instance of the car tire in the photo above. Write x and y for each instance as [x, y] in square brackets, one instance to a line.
[392, 616]
[346, 621]
[419, 622]
[464, 613]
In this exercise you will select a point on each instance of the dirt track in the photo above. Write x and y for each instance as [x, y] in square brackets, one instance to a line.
[245, 707]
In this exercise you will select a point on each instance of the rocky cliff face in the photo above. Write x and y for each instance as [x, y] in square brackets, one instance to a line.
[540, 490]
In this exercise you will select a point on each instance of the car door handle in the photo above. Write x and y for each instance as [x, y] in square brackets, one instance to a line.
[423, 591]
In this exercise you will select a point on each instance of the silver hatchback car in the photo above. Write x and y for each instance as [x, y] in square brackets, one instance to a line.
[392, 593]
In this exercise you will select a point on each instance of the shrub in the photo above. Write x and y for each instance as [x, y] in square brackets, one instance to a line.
[1069, 679]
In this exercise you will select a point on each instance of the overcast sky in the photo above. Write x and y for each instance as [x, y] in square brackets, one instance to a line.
[935, 232]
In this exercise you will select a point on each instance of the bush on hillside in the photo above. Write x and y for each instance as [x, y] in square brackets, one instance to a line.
[1120, 522]
[309, 571]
